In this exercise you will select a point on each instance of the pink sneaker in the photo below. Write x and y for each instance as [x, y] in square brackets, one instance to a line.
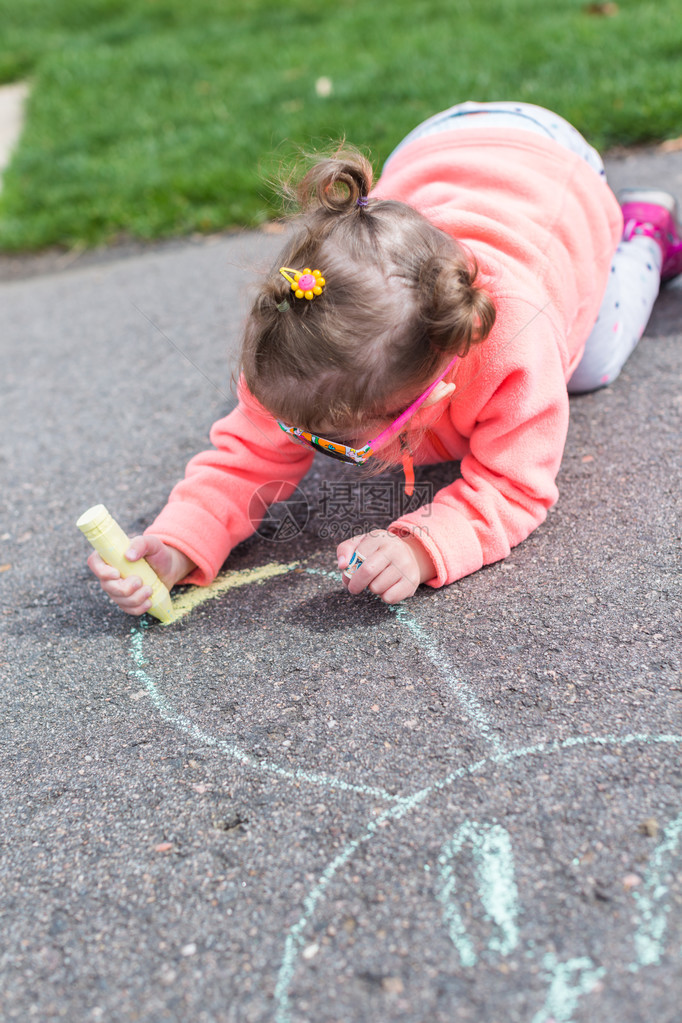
[654, 213]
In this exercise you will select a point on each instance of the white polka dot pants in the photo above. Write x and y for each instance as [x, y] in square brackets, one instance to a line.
[632, 289]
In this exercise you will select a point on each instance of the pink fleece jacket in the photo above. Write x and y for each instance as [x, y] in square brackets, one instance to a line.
[543, 227]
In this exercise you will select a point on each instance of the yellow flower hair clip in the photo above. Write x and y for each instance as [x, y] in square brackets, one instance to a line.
[304, 283]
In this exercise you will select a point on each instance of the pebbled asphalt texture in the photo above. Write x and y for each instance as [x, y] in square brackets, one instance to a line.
[295, 806]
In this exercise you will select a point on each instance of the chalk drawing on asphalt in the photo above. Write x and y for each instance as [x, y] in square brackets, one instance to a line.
[491, 846]
[494, 866]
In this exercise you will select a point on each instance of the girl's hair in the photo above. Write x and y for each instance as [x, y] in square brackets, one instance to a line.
[400, 298]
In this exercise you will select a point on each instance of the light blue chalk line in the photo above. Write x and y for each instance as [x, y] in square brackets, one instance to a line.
[294, 940]
[497, 886]
[462, 693]
[452, 918]
[494, 866]
[650, 934]
[562, 997]
[186, 725]
[460, 690]
[402, 805]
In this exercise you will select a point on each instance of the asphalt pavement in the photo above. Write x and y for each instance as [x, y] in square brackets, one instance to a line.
[297, 807]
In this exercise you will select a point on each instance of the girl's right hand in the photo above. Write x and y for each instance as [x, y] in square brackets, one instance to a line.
[130, 594]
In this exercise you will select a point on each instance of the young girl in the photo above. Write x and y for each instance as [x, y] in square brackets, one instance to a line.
[437, 316]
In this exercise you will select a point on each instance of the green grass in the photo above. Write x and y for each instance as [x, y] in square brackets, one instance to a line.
[151, 118]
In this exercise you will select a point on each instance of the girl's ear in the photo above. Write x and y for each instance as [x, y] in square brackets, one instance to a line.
[440, 391]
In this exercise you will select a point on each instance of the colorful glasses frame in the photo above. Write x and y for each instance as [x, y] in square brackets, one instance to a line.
[358, 456]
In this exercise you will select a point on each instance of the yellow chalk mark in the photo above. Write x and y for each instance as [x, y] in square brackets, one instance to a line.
[185, 603]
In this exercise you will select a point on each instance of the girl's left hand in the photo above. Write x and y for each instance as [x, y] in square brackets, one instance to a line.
[392, 566]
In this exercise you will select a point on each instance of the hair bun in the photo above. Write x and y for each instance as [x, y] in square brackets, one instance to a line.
[453, 303]
[337, 183]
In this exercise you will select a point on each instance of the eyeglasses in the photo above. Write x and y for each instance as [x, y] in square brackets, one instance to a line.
[358, 456]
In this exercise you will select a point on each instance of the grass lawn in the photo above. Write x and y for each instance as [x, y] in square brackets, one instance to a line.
[150, 118]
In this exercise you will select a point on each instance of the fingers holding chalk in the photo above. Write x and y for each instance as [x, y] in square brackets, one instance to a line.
[129, 594]
[143, 546]
[348, 557]
[131, 587]
[101, 569]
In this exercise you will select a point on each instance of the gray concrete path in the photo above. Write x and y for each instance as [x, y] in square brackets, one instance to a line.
[292, 806]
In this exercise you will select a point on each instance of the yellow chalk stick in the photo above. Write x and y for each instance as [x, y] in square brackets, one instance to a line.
[106, 536]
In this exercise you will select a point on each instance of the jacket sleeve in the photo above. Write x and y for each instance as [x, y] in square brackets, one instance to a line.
[226, 489]
[515, 413]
